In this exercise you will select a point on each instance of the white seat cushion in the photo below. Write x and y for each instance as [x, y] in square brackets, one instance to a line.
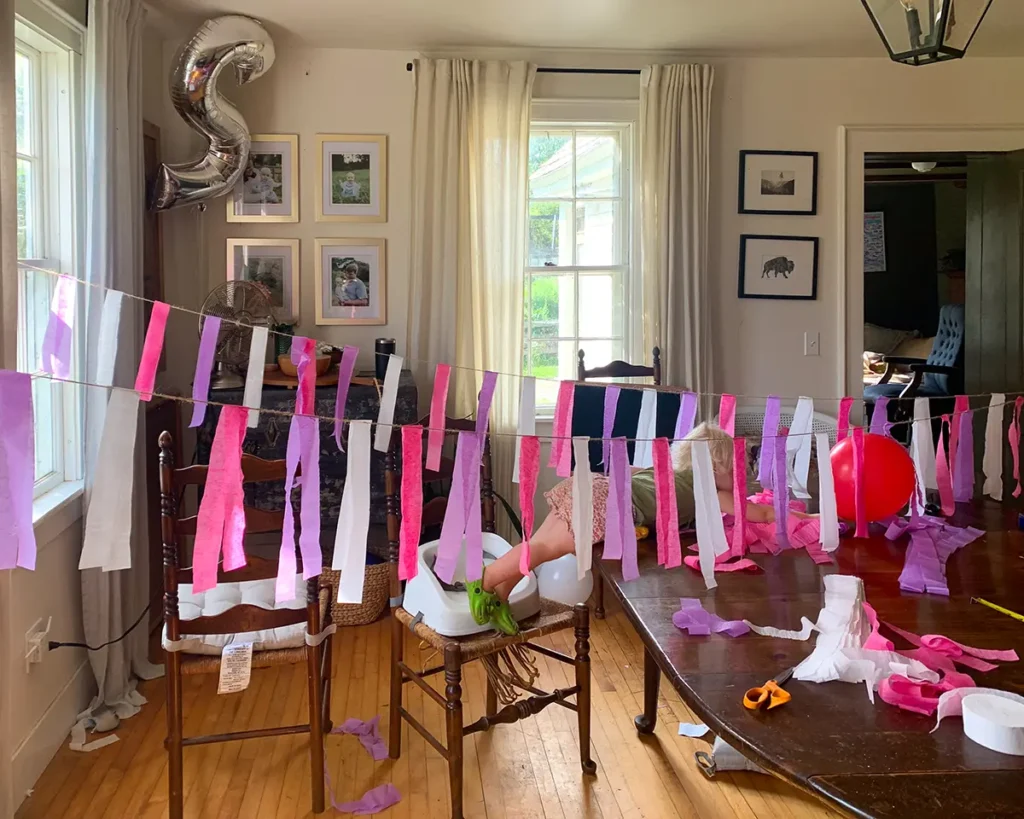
[227, 595]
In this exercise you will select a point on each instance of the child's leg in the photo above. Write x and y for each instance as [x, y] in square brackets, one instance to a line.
[552, 540]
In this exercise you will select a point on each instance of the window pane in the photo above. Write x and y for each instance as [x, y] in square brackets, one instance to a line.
[26, 228]
[550, 164]
[554, 360]
[597, 165]
[552, 306]
[43, 408]
[23, 101]
[600, 305]
[550, 234]
[599, 352]
[598, 233]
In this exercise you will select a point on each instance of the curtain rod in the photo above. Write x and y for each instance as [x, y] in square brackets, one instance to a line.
[632, 72]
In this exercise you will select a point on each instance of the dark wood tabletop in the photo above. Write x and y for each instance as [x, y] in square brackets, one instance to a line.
[867, 760]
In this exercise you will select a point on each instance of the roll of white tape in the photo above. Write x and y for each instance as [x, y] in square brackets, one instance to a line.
[997, 723]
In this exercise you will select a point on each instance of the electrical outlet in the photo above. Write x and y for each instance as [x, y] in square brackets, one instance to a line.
[812, 344]
[37, 643]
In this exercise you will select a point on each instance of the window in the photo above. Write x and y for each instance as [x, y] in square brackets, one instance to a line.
[47, 121]
[579, 251]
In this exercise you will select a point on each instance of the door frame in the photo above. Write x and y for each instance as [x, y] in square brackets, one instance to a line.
[854, 142]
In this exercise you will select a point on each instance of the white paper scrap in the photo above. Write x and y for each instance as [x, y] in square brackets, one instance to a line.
[386, 415]
[235, 668]
[841, 624]
[646, 430]
[695, 730]
[828, 516]
[354, 516]
[106, 345]
[922, 448]
[782, 634]
[253, 395]
[711, 540]
[583, 506]
[798, 445]
[78, 742]
[992, 463]
[527, 417]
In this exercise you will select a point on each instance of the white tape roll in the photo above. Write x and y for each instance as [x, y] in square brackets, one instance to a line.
[995, 722]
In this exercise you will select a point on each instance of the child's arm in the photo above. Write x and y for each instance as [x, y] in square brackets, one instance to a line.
[756, 512]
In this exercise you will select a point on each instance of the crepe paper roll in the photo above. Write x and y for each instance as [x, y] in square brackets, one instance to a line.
[843, 425]
[389, 395]
[527, 420]
[354, 516]
[529, 468]
[727, 413]
[253, 396]
[60, 329]
[204, 367]
[346, 367]
[106, 345]
[992, 460]
[145, 379]
[412, 501]
[438, 412]
[17, 473]
[583, 506]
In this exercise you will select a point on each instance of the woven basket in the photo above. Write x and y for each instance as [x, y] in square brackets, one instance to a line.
[375, 597]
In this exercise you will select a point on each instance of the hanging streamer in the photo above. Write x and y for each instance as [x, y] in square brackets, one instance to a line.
[611, 403]
[780, 491]
[204, 366]
[151, 350]
[772, 412]
[474, 523]
[354, 516]
[942, 473]
[303, 354]
[992, 460]
[527, 419]
[17, 471]
[858, 483]
[106, 346]
[670, 553]
[923, 453]
[438, 410]
[711, 540]
[457, 514]
[843, 426]
[687, 415]
[880, 416]
[827, 513]
[304, 449]
[630, 568]
[346, 367]
[583, 507]
[727, 414]
[60, 329]
[963, 469]
[529, 468]
[739, 496]
[253, 396]
[389, 395]
[798, 445]
[483, 408]
[618, 474]
[560, 450]
[646, 430]
[1014, 436]
[412, 502]
[961, 405]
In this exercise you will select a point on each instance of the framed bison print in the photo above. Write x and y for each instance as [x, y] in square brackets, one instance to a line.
[779, 182]
[778, 267]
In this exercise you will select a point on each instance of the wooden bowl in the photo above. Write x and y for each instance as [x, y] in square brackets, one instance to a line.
[323, 364]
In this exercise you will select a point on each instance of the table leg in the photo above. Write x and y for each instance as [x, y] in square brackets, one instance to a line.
[646, 721]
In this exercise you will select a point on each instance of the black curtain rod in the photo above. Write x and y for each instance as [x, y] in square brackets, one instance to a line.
[632, 72]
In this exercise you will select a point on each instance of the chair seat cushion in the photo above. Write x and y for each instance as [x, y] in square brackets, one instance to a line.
[228, 595]
[876, 391]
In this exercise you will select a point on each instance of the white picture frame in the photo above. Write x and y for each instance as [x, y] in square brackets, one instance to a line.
[351, 281]
[352, 178]
[269, 188]
[274, 263]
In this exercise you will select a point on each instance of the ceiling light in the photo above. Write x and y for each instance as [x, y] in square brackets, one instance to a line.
[924, 167]
[918, 32]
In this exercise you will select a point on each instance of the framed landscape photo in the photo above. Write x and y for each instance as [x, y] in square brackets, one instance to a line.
[269, 188]
[272, 263]
[779, 182]
[353, 178]
[778, 267]
[351, 281]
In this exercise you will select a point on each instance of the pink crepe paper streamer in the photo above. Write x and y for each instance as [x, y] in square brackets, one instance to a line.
[373, 801]
[687, 415]
[961, 405]
[942, 475]
[17, 471]
[875, 641]
[204, 366]
[918, 697]
[843, 425]
[762, 538]
[412, 502]
[772, 412]
[963, 467]
[368, 733]
[60, 329]
[145, 380]
[221, 521]
[304, 448]
[561, 450]
[1015, 442]
[438, 402]
[457, 516]
[693, 619]
[483, 407]
[302, 355]
[976, 658]
[611, 402]
[727, 414]
[858, 483]
[670, 553]
[743, 565]
[529, 468]
[739, 496]
[880, 417]
[780, 495]
[346, 367]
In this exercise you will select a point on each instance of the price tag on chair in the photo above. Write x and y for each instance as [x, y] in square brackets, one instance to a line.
[235, 668]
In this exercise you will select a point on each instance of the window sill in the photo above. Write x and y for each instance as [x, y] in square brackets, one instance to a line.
[56, 510]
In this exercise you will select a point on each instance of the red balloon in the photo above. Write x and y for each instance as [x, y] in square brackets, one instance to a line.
[888, 477]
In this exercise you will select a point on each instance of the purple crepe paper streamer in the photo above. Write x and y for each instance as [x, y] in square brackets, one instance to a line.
[304, 448]
[613, 520]
[455, 516]
[963, 471]
[687, 415]
[474, 524]
[204, 366]
[373, 801]
[368, 733]
[56, 349]
[880, 417]
[345, 368]
[693, 619]
[769, 431]
[932, 542]
[483, 407]
[17, 471]
[630, 567]
[611, 402]
[780, 493]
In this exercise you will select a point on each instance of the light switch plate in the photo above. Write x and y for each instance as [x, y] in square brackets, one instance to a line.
[812, 344]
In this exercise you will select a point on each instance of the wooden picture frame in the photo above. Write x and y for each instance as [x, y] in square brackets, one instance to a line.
[269, 188]
[273, 263]
[351, 281]
[352, 178]
[779, 183]
[778, 267]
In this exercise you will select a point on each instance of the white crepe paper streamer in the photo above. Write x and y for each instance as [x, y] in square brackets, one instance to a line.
[841, 624]
[646, 429]
[694, 730]
[354, 516]
[389, 395]
[987, 724]
[108, 522]
[992, 463]
[253, 396]
[798, 445]
[922, 450]
[78, 742]
[782, 634]
[828, 515]
[728, 758]
[583, 506]
[711, 540]
[106, 346]
[527, 417]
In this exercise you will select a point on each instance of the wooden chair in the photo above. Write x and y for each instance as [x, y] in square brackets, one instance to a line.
[458, 652]
[621, 369]
[238, 620]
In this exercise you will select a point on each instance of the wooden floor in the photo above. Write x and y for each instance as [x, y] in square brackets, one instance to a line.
[530, 769]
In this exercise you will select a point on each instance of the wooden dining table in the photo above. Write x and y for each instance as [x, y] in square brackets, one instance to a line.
[864, 759]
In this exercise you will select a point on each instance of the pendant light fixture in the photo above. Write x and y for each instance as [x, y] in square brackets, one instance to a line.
[918, 32]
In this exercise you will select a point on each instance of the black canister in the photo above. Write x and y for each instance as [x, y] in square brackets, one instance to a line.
[383, 349]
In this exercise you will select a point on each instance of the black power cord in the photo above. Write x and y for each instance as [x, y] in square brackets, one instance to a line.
[54, 644]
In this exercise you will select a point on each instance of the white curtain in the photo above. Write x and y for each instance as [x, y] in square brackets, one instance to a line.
[675, 168]
[471, 133]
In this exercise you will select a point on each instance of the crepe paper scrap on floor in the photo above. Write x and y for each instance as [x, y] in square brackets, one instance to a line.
[412, 501]
[687, 415]
[529, 469]
[694, 730]
[527, 417]
[373, 801]
[253, 395]
[727, 413]
[346, 367]
[769, 429]
[932, 542]
[693, 619]
[145, 379]
[992, 460]
[368, 733]
[17, 471]
[204, 367]
[60, 329]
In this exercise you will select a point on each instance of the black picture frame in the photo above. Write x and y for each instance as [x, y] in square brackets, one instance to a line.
[742, 206]
[746, 238]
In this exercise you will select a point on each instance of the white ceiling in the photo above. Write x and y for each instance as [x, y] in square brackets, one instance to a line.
[777, 27]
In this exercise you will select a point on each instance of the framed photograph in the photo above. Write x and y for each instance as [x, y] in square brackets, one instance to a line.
[353, 178]
[269, 189]
[351, 281]
[273, 263]
[778, 267]
[781, 182]
[874, 242]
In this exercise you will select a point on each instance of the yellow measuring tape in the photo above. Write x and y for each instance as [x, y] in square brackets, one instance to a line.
[1012, 614]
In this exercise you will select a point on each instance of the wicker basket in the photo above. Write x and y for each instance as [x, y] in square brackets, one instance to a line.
[375, 597]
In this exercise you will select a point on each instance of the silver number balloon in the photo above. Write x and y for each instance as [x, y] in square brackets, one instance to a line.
[229, 40]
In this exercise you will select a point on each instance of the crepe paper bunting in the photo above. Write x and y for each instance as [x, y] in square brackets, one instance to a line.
[780, 491]
[992, 460]
[220, 525]
[304, 449]
[843, 425]
[60, 329]
[932, 542]
[106, 345]
[204, 366]
[724, 565]
[687, 415]
[529, 468]
[739, 496]
[108, 522]
[303, 355]
[562, 425]
[620, 534]
[880, 416]
[527, 419]
[438, 412]
[474, 520]
[583, 506]
[708, 512]
[253, 396]
[611, 402]
[963, 469]
[727, 413]
[412, 501]
[670, 553]
[693, 619]
[859, 488]
[923, 453]
[1014, 436]
[373, 801]
[772, 412]
[346, 367]
[646, 429]
[961, 405]
[483, 408]
[942, 474]
[389, 395]
[354, 516]
[151, 350]
[368, 733]
[17, 471]
[457, 516]
[798, 445]
[828, 515]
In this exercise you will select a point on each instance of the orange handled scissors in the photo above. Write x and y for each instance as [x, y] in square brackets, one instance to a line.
[771, 693]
